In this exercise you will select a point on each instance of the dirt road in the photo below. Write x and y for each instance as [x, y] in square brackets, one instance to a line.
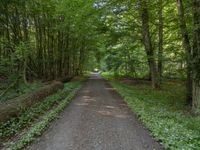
[97, 119]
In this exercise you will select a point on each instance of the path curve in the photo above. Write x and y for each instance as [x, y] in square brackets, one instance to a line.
[97, 119]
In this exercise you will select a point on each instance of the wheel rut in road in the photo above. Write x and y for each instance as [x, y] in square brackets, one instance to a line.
[97, 119]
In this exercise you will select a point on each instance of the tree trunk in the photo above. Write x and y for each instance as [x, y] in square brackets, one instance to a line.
[148, 44]
[81, 58]
[187, 47]
[196, 56]
[160, 47]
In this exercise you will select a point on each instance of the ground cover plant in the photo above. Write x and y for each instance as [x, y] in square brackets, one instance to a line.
[164, 112]
[26, 117]
[39, 127]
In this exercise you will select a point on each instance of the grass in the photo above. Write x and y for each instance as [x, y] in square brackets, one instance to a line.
[163, 112]
[25, 118]
[37, 129]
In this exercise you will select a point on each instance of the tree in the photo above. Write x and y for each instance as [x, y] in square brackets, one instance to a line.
[160, 44]
[148, 43]
[187, 47]
[59, 32]
[196, 55]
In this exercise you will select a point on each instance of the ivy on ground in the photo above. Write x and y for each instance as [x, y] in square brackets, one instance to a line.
[37, 129]
[163, 112]
[26, 117]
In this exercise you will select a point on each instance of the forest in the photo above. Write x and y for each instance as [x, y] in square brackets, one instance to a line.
[146, 49]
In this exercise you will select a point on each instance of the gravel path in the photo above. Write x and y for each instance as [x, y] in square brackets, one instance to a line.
[97, 119]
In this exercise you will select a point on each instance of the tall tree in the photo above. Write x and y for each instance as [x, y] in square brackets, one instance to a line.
[196, 55]
[148, 43]
[187, 47]
[160, 43]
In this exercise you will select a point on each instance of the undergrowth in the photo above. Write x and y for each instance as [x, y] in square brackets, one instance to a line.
[26, 117]
[37, 129]
[164, 113]
[18, 90]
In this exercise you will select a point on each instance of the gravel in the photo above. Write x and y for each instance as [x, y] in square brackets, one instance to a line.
[97, 119]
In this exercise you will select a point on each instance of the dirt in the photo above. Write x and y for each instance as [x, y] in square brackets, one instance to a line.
[97, 119]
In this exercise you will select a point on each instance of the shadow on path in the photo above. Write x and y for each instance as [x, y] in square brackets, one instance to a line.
[97, 119]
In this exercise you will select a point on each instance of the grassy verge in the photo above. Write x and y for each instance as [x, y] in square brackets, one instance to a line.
[26, 117]
[164, 113]
[37, 129]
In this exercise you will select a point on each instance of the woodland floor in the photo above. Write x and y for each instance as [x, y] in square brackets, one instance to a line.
[97, 119]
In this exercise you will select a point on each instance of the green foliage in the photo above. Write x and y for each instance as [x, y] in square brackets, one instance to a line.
[26, 117]
[163, 112]
[19, 89]
[22, 51]
[47, 39]
[125, 52]
[37, 129]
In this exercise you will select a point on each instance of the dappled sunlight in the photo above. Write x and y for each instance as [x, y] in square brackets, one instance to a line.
[82, 104]
[116, 114]
[113, 111]
[85, 101]
[109, 88]
[88, 99]
[111, 107]
[104, 110]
